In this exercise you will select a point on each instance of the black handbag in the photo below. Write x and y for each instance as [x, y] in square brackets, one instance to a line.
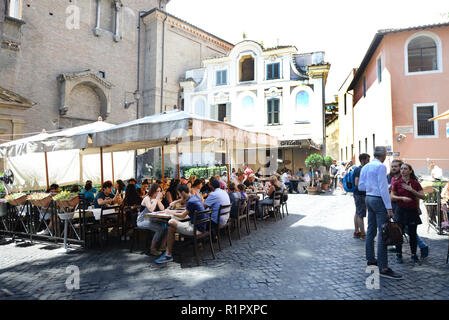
[392, 234]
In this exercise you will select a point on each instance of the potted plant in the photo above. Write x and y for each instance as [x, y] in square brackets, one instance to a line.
[314, 161]
[327, 162]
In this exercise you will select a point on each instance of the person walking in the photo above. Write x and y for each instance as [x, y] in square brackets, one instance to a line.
[333, 172]
[373, 180]
[407, 191]
[359, 200]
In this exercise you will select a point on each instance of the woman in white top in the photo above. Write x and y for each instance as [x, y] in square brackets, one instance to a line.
[153, 202]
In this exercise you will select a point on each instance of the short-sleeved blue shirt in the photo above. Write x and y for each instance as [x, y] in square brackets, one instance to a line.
[101, 195]
[195, 204]
[215, 200]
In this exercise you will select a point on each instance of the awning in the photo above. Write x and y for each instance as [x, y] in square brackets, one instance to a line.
[174, 127]
[443, 116]
[67, 139]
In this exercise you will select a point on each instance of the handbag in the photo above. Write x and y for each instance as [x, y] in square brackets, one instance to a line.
[392, 234]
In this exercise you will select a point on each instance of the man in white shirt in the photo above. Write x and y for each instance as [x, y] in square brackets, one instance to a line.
[435, 171]
[374, 182]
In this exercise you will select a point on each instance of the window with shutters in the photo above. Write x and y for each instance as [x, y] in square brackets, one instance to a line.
[379, 69]
[222, 77]
[273, 71]
[273, 111]
[423, 127]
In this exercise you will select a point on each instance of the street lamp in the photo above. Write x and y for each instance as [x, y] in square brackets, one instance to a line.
[136, 95]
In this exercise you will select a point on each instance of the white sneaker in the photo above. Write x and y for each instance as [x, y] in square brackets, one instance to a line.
[43, 233]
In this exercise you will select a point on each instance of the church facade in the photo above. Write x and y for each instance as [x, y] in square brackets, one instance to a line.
[72, 61]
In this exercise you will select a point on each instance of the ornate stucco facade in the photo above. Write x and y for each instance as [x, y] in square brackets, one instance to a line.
[276, 90]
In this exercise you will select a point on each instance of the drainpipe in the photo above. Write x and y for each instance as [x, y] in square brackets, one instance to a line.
[138, 82]
[163, 59]
[324, 115]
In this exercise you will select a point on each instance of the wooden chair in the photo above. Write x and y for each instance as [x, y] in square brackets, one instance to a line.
[196, 237]
[242, 214]
[251, 209]
[90, 228]
[284, 202]
[135, 236]
[223, 210]
[276, 206]
[109, 220]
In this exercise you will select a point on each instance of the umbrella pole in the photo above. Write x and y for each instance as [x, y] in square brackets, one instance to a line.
[177, 161]
[81, 168]
[46, 170]
[101, 165]
[228, 165]
[163, 165]
[112, 163]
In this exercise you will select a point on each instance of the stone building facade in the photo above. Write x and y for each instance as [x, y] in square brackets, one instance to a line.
[78, 59]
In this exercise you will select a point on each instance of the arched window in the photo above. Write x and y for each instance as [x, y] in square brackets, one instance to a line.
[422, 54]
[200, 108]
[302, 106]
[246, 65]
[247, 109]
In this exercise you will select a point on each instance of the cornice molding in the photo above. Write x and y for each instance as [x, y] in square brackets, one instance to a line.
[158, 15]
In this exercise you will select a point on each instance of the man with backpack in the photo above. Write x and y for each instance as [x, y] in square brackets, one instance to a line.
[359, 199]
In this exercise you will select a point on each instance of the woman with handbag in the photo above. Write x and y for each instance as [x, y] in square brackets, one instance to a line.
[407, 191]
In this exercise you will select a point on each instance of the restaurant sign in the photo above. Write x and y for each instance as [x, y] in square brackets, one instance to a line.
[291, 142]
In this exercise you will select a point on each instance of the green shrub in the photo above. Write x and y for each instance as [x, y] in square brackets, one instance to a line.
[328, 162]
[314, 161]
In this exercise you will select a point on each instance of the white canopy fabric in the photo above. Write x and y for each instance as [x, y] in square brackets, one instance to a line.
[172, 127]
[66, 164]
[67, 167]
[67, 139]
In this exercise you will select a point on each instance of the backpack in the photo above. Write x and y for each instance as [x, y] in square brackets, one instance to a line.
[348, 181]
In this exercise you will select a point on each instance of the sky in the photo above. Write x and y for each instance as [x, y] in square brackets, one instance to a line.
[343, 29]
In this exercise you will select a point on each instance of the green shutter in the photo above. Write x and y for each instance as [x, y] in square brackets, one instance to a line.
[228, 112]
[276, 71]
[269, 111]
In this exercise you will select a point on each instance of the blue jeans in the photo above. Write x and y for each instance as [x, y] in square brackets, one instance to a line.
[266, 201]
[291, 186]
[377, 216]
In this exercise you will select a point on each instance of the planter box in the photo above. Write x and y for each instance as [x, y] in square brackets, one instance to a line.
[45, 202]
[313, 190]
[19, 201]
[71, 203]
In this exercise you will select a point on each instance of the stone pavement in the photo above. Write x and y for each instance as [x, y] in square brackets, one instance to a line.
[309, 255]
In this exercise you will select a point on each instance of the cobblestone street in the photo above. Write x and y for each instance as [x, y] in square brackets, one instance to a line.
[308, 255]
